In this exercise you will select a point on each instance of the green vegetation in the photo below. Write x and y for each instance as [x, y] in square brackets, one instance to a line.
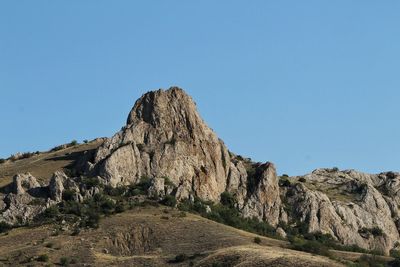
[91, 182]
[60, 147]
[284, 181]
[73, 143]
[2, 160]
[64, 261]
[49, 245]
[169, 200]
[374, 231]
[302, 180]
[43, 258]
[4, 227]
[257, 240]
[179, 258]
[227, 214]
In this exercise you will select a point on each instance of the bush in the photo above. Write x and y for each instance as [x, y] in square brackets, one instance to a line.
[115, 191]
[73, 143]
[302, 180]
[49, 245]
[85, 141]
[179, 258]
[2, 160]
[313, 246]
[51, 212]
[43, 258]
[91, 182]
[120, 207]
[169, 201]
[68, 195]
[284, 182]
[64, 261]
[376, 231]
[257, 240]
[227, 199]
[370, 261]
[4, 227]
[140, 188]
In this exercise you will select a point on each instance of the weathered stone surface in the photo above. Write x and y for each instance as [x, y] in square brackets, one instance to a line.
[264, 201]
[165, 137]
[157, 188]
[19, 209]
[349, 205]
[23, 183]
[166, 140]
[56, 185]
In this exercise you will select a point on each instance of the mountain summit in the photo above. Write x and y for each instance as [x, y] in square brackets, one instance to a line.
[166, 137]
[167, 146]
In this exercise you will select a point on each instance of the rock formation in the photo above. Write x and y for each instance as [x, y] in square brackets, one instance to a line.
[166, 141]
[166, 137]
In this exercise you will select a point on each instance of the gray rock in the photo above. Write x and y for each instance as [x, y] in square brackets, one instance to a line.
[281, 233]
[22, 183]
[157, 188]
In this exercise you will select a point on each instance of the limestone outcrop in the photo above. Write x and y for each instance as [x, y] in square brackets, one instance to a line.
[166, 142]
[353, 207]
[166, 137]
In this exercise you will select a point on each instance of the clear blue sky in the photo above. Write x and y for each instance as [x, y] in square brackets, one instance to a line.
[304, 84]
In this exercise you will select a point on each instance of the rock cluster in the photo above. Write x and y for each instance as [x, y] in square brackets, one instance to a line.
[166, 140]
[27, 198]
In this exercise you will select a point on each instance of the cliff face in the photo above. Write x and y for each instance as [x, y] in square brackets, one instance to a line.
[165, 137]
[354, 207]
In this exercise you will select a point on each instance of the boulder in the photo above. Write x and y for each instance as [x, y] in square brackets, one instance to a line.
[23, 183]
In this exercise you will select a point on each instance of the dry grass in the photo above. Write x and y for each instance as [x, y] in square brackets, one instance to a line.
[201, 240]
[43, 165]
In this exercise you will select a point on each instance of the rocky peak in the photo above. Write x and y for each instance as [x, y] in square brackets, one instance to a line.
[171, 110]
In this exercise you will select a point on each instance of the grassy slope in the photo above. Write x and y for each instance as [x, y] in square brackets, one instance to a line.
[121, 241]
[42, 166]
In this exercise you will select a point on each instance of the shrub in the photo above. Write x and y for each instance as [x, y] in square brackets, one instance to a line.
[43, 258]
[168, 182]
[370, 261]
[120, 207]
[85, 141]
[73, 143]
[169, 200]
[302, 180]
[227, 199]
[2, 160]
[91, 182]
[179, 258]
[68, 195]
[310, 246]
[140, 188]
[284, 182]
[4, 227]
[49, 245]
[395, 253]
[257, 240]
[64, 261]
[37, 202]
[376, 231]
[107, 206]
[92, 219]
[115, 191]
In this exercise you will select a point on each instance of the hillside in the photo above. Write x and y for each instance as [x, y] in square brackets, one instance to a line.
[166, 154]
[150, 236]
